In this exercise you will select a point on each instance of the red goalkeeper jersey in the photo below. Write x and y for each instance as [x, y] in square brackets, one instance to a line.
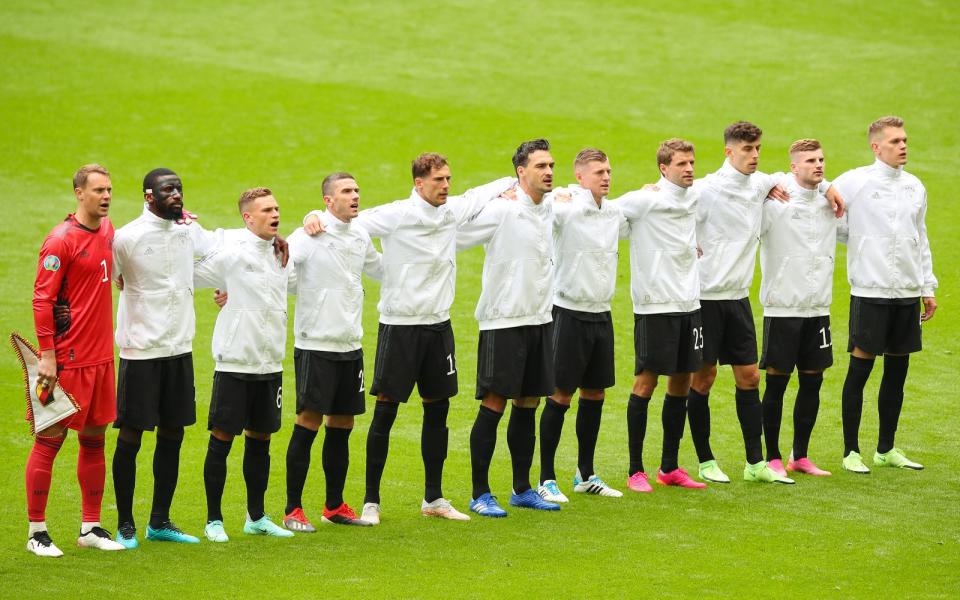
[74, 271]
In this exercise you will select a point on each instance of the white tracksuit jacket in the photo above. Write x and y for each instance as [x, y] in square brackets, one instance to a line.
[798, 241]
[518, 267]
[729, 210]
[420, 251]
[155, 316]
[329, 292]
[251, 331]
[664, 275]
[888, 253]
[585, 242]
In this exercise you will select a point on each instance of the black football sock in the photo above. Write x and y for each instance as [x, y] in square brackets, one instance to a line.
[256, 474]
[773, 412]
[890, 399]
[698, 413]
[852, 401]
[588, 430]
[805, 411]
[434, 438]
[673, 418]
[378, 444]
[636, 430]
[483, 441]
[298, 464]
[215, 475]
[125, 478]
[522, 441]
[166, 470]
[551, 426]
[336, 462]
[750, 415]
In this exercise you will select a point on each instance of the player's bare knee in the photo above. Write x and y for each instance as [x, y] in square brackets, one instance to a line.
[595, 395]
[528, 402]
[702, 380]
[310, 419]
[257, 435]
[645, 384]
[339, 421]
[678, 384]
[221, 435]
[494, 402]
[57, 430]
[747, 377]
[563, 397]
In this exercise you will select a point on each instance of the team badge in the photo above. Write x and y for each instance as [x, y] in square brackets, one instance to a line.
[51, 263]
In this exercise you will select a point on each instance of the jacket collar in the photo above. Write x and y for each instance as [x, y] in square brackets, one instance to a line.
[331, 222]
[584, 196]
[154, 219]
[671, 188]
[731, 173]
[886, 170]
[248, 236]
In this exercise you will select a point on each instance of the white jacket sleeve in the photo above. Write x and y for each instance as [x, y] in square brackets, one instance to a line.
[204, 240]
[467, 205]
[930, 282]
[636, 204]
[373, 262]
[381, 220]
[481, 228]
[210, 271]
[292, 280]
[120, 252]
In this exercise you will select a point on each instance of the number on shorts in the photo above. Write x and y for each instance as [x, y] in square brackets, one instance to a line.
[825, 334]
[361, 381]
[698, 338]
[450, 360]
[279, 393]
[106, 276]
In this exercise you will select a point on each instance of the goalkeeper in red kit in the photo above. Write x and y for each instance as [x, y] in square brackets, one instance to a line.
[76, 347]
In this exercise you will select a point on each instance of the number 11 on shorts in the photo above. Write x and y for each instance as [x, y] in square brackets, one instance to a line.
[825, 334]
[450, 360]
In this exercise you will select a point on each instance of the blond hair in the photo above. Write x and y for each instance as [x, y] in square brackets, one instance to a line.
[804, 145]
[84, 172]
[882, 123]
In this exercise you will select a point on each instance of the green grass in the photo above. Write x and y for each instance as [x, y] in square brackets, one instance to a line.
[280, 94]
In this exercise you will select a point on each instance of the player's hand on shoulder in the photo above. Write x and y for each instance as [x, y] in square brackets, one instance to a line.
[650, 187]
[778, 192]
[219, 298]
[187, 218]
[836, 201]
[562, 195]
[313, 226]
[510, 194]
[118, 283]
[281, 249]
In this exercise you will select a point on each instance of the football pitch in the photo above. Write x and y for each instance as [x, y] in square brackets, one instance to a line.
[233, 95]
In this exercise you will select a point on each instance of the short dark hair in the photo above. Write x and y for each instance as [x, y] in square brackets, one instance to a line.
[332, 178]
[250, 195]
[524, 150]
[427, 162]
[742, 131]
[80, 177]
[670, 147]
[150, 179]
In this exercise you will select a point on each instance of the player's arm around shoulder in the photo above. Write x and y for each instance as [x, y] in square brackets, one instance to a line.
[467, 205]
[483, 226]
[373, 260]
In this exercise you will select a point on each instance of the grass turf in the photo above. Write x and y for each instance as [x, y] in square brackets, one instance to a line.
[233, 95]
